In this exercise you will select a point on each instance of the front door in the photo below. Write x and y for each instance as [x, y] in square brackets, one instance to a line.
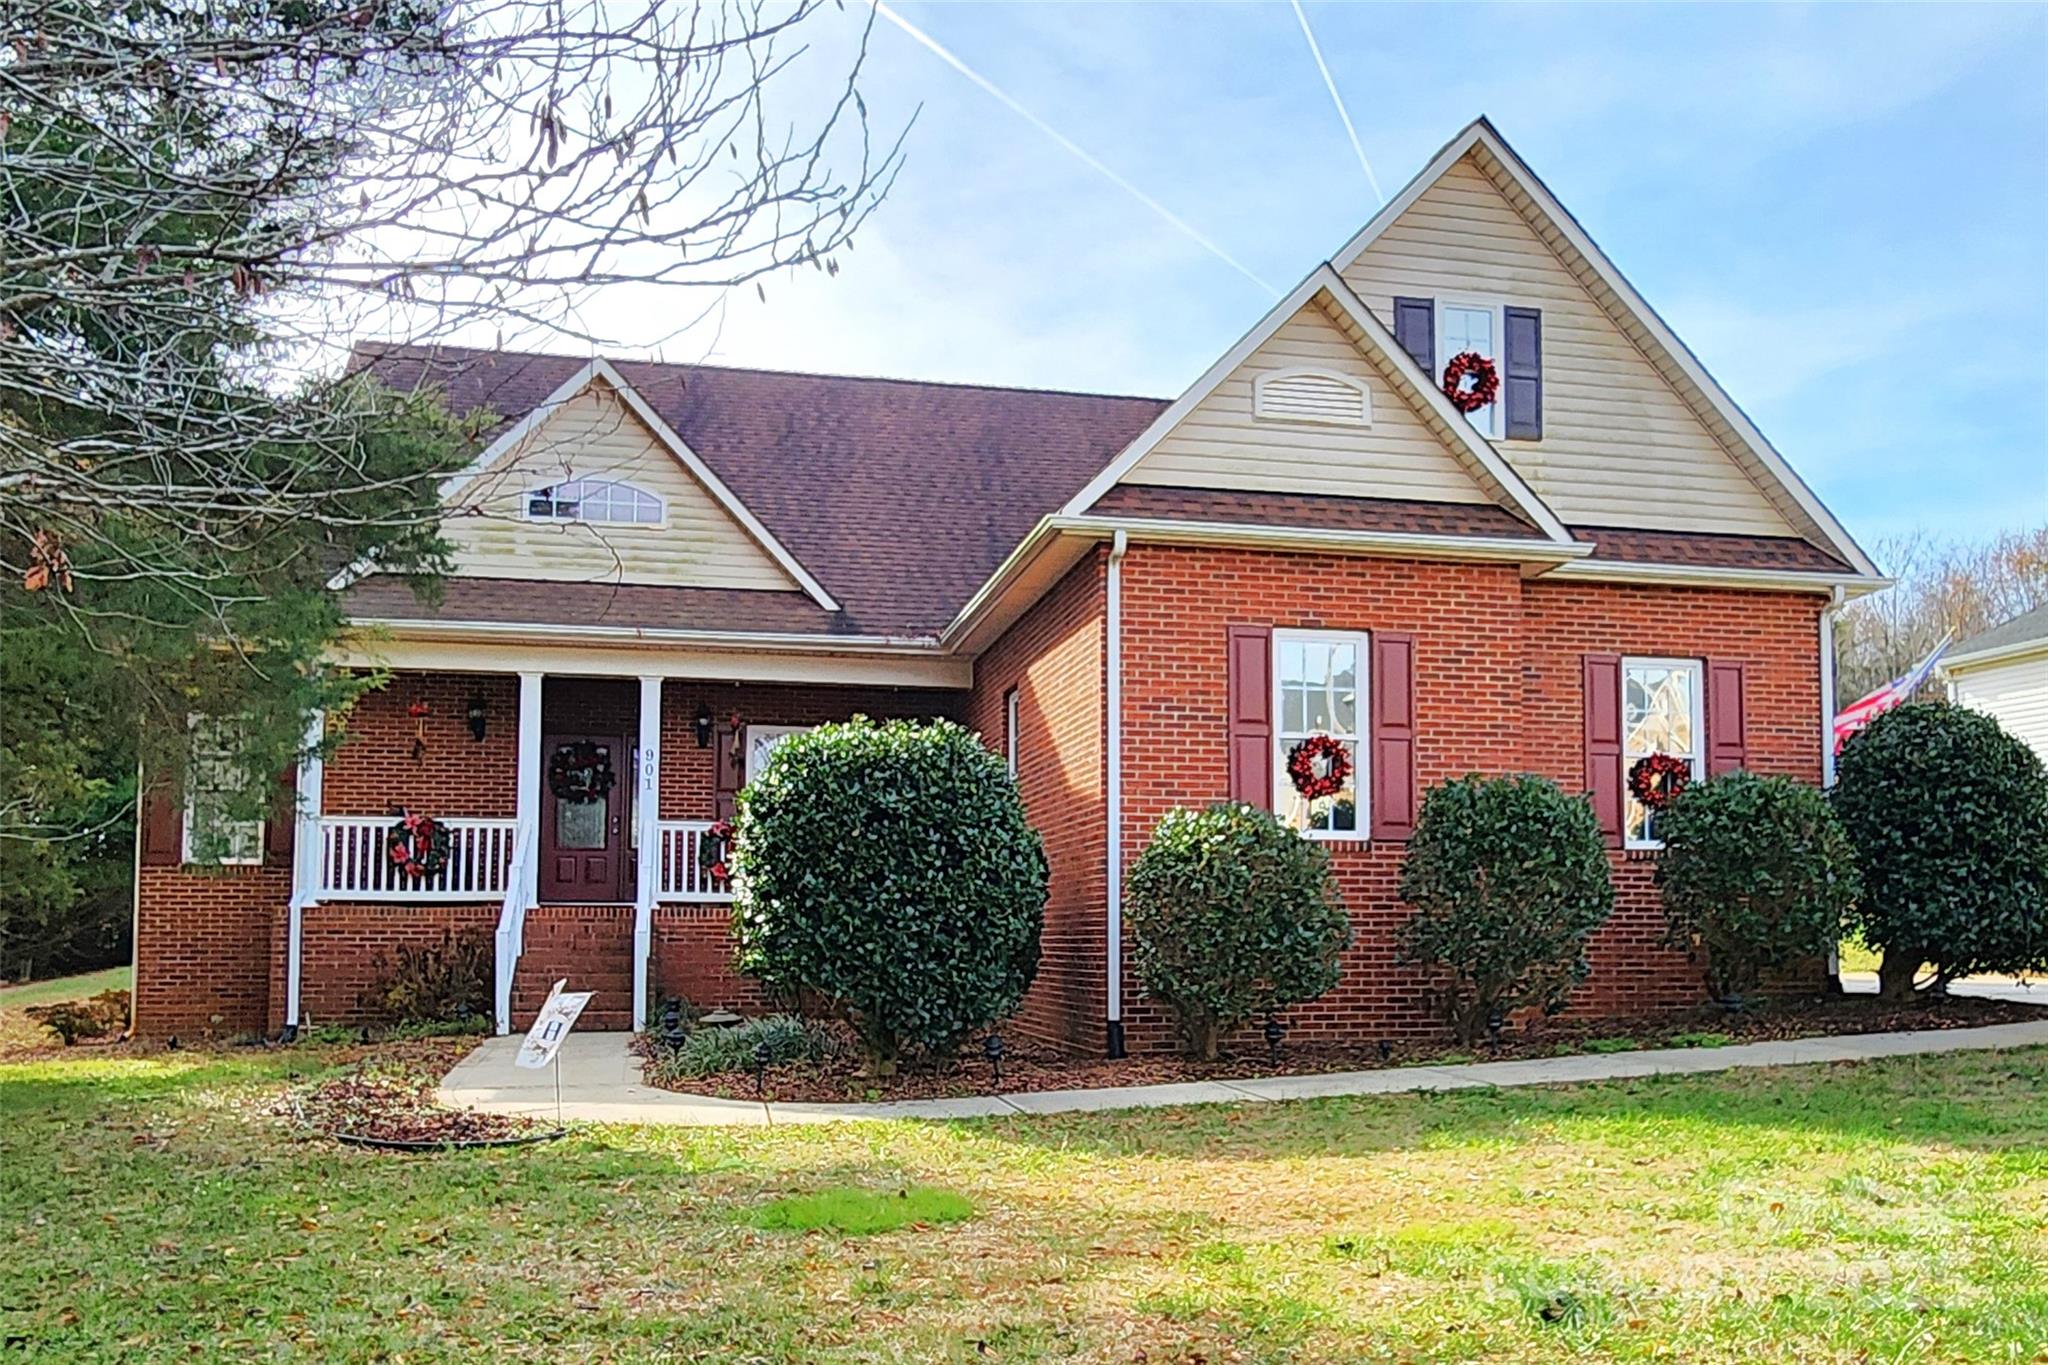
[584, 853]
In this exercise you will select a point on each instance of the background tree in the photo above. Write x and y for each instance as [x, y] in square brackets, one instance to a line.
[1953, 588]
[203, 202]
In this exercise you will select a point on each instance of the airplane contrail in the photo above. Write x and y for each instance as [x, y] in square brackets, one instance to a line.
[1179, 223]
[1337, 99]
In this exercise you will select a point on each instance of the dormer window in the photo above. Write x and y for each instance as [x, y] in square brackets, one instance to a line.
[605, 501]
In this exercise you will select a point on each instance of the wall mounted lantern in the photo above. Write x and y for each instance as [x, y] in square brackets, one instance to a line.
[476, 716]
[703, 725]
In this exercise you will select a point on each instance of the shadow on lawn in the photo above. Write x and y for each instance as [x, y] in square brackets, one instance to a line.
[1988, 1101]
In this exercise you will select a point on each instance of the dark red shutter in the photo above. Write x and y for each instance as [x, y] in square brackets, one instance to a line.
[1393, 735]
[163, 822]
[283, 825]
[1727, 719]
[1415, 329]
[1250, 715]
[1522, 374]
[728, 769]
[1603, 742]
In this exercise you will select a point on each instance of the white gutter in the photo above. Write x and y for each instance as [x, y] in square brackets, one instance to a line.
[1827, 686]
[426, 628]
[1113, 753]
[1695, 575]
[1527, 549]
[2019, 649]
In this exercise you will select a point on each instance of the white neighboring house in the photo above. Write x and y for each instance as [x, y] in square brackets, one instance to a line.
[2004, 673]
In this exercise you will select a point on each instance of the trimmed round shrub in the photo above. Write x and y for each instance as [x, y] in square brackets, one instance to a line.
[1949, 817]
[1756, 873]
[1232, 915]
[1508, 877]
[888, 871]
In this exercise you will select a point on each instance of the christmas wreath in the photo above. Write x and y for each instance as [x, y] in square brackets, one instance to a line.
[580, 772]
[1319, 766]
[712, 850]
[419, 846]
[1485, 381]
[1657, 779]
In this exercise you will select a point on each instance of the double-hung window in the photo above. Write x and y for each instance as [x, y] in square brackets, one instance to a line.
[213, 786]
[1661, 713]
[1476, 327]
[1319, 686]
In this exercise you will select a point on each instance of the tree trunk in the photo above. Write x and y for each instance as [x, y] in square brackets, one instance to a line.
[1895, 975]
[1208, 1038]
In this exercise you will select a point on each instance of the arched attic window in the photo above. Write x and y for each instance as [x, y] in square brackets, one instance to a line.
[1304, 394]
[608, 502]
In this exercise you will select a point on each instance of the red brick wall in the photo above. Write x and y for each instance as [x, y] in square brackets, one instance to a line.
[373, 768]
[591, 946]
[1498, 689]
[348, 950]
[693, 958]
[202, 949]
[1053, 656]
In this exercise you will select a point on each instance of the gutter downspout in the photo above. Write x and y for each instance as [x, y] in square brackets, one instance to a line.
[1827, 740]
[1113, 752]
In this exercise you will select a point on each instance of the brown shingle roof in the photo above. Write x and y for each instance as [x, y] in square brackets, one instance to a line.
[525, 601]
[1313, 511]
[1705, 550]
[900, 497]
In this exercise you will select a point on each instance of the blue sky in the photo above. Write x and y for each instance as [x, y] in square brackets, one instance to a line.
[1841, 209]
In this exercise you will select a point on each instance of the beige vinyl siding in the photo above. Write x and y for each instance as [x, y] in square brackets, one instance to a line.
[1620, 447]
[594, 436]
[2015, 694]
[1221, 444]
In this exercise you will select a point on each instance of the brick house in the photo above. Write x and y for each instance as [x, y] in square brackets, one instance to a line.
[1140, 603]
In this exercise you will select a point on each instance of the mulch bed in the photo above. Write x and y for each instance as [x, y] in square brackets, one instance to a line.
[1028, 1066]
[394, 1106]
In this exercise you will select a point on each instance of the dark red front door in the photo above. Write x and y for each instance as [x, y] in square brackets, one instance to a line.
[584, 853]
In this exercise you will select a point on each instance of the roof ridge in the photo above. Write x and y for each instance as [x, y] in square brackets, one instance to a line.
[398, 348]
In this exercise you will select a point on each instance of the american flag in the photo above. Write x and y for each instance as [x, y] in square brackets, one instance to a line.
[1870, 706]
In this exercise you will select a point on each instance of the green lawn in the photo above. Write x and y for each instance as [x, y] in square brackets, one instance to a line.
[17, 1030]
[1888, 1212]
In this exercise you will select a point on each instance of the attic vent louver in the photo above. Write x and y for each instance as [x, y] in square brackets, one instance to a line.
[1305, 395]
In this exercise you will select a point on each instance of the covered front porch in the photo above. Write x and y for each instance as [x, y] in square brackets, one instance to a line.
[578, 808]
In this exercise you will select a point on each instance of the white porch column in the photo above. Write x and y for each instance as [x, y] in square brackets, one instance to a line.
[309, 862]
[647, 819]
[527, 807]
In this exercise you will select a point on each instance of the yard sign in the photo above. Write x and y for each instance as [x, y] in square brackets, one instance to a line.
[557, 1016]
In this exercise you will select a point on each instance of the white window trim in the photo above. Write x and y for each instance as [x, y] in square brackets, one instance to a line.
[1361, 775]
[1498, 307]
[526, 504]
[1260, 413]
[1010, 728]
[185, 855]
[1699, 731]
[761, 732]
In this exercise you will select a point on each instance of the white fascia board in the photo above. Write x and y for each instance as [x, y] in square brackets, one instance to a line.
[1326, 539]
[576, 383]
[419, 628]
[1324, 278]
[1985, 658]
[1477, 447]
[1707, 576]
[1481, 132]
[1261, 332]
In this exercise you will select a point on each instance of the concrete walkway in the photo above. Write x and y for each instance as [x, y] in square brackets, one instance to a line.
[2028, 990]
[600, 1080]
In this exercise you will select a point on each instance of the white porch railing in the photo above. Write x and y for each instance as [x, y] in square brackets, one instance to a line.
[355, 861]
[683, 875]
[510, 938]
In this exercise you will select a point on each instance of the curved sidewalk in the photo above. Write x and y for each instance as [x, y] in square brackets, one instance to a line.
[601, 1082]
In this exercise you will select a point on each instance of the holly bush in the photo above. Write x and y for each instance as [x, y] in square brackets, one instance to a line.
[888, 870]
[1949, 817]
[1756, 873]
[1509, 879]
[1232, 915]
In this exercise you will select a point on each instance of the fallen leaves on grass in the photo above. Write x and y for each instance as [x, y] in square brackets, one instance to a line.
[392, 1105]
